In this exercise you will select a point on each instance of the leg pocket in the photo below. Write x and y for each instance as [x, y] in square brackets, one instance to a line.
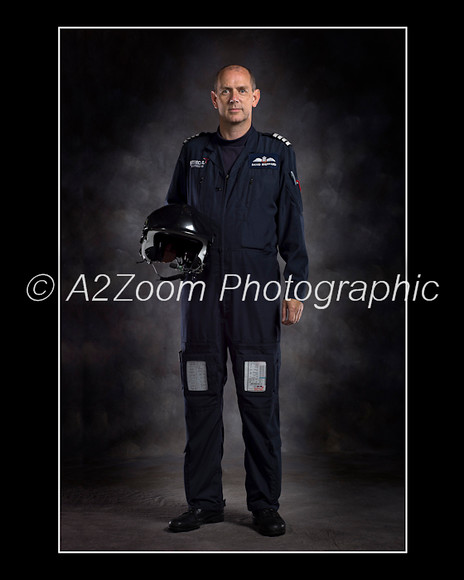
[255, 376]
[201, 373]
[196, 376]
[257, 372]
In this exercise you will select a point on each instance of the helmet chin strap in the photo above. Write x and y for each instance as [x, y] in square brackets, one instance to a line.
[195, 268]
[174, 277]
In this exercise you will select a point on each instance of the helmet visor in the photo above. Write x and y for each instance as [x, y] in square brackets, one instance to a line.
[180, 252]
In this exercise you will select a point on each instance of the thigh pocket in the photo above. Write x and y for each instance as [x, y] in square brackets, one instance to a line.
[200, 373]
[196, 376]
[256, 374]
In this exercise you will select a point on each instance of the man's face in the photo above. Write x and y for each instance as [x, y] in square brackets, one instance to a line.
[234, 97]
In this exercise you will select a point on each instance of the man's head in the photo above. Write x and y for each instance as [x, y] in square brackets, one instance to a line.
[234, 96]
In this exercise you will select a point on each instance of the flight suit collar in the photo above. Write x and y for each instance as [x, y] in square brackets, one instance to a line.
[212, 153]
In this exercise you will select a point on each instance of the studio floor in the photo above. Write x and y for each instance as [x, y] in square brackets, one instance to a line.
[330, 502]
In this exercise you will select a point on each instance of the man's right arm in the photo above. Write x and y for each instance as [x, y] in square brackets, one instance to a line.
[177, 192]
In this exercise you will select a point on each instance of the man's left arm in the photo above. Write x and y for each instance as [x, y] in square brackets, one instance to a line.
[292, 246]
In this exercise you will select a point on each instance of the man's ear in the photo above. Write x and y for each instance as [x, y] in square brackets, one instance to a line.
[256, 97]
[214, 99]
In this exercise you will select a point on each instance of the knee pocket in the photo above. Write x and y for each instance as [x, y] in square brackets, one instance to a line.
[257, 374]
[202, 374]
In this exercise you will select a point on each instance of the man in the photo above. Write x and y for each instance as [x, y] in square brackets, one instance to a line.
[246, 183]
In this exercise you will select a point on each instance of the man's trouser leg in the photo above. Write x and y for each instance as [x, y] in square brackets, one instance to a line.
[204, 372]
[253, 334]
[256, 372]
[203, 377]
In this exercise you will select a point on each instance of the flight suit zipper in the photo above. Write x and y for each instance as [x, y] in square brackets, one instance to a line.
[200, 186]
[224, 303]
[248, 195]
[224, 196]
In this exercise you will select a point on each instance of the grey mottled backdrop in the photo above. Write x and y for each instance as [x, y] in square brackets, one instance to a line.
[128, 100]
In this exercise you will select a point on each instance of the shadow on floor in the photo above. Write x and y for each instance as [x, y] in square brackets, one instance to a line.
[330, 502]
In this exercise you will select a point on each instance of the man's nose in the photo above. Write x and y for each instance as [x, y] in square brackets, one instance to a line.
[233, 96]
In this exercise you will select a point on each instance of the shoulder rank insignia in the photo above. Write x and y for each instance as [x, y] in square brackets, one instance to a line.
[193, 137]
[280, 138]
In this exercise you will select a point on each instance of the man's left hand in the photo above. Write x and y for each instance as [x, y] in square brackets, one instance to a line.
[291, 311]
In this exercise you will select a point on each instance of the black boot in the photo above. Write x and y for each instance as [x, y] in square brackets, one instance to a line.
[268, 522]
[194, 518]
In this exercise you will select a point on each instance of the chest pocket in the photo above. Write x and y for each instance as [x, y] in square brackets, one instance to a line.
[196, 180]
[259, 217]
[202, 193]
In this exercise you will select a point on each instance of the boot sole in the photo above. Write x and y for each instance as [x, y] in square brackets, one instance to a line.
[270, 533]
[210, 520]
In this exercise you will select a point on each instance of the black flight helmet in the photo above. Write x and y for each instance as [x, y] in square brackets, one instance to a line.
[179, 235]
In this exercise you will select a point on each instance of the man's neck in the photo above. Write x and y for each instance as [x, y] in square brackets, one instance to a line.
[232, 131]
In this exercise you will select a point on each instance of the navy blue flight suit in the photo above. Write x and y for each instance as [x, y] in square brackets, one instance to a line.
[257, 211]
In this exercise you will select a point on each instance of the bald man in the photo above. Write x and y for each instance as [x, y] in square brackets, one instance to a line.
[246, 183]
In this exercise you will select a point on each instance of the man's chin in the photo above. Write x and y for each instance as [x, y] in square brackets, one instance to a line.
[236, 121]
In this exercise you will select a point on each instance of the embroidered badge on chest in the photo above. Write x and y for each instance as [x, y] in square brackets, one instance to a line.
[199, 163]
[258, 160]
